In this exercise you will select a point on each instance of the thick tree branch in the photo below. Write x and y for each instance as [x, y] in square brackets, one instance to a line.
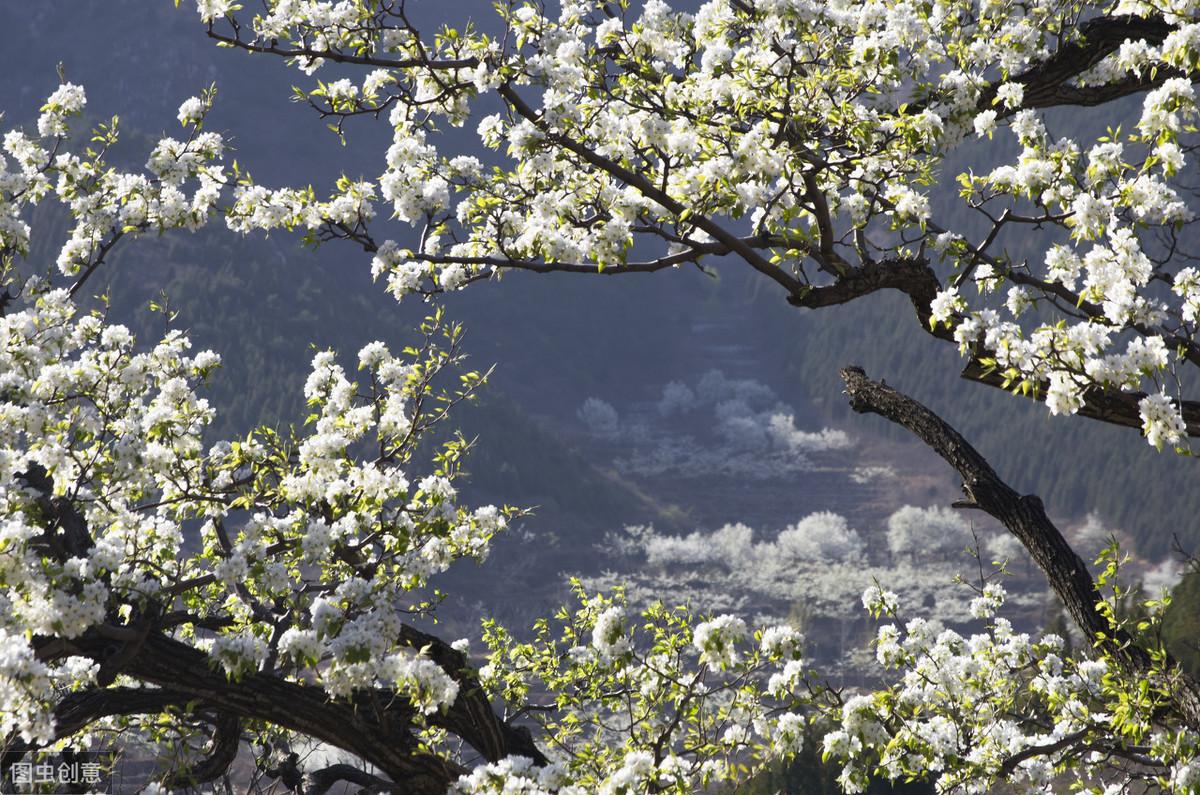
[471, 717]
[65, 534]
[76, 711]
[916, 279]
[357, 725]
[1048, 84]
[1106, 405]
[376, 726]
[911, 276]
[1023, 516]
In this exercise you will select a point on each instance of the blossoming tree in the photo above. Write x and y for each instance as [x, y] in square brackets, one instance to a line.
[795, 138]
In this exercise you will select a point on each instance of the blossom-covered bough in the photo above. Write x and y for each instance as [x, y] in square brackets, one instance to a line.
[798, 139]
[195, 598]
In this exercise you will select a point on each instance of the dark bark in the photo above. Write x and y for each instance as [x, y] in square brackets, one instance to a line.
[321, 781]
[471, 717]
[913, 277]
[1048, 83]
[376, 730]
[66, 534]
[76, 711]
[223, 750]
[374, 725]
[1106, 405]
[1025, 517]
[917, 280]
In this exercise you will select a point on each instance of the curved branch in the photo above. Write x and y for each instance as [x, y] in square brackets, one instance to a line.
[77, 711]
[381, 736]
[1025, 517]
[226, 739]
[911, 276]
[375, 726]
[916, 279]
[1013, 762]
[1105, 405]
[471, 717]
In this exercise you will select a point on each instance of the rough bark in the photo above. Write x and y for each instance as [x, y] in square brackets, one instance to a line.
[321, 781]
[1023, 516]
[471, 717]
[223, 750]
[917, 280]
[375, 730]
[1048, 83]
[374, 725]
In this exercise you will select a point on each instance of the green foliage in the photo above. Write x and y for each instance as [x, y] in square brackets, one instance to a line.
[612, 687]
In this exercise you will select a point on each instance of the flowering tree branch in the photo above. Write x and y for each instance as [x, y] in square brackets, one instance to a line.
[1025, 517]
[1049, 83]
[822, 130]
[376, 726]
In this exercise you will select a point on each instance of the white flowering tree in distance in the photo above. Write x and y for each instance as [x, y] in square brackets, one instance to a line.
[792, 137]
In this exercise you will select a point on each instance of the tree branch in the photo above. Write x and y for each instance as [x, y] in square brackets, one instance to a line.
[375, 725]
[471, 717]
[635, 180]
[1046, 85]
[341, 57]
[66, 533]
[223, 750]
[1025, 517]
[318, 782]
[916, 279]
[351, 724]
[76, 711]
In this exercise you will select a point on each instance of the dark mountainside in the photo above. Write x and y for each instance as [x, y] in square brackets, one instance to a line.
[557, 340]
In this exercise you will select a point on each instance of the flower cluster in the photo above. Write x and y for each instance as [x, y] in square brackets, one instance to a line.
[966, 711]
[679, 706]
[102, 466]
[180, 188]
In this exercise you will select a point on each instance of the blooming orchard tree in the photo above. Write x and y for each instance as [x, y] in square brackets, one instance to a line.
[794, 138]
[914, 532]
